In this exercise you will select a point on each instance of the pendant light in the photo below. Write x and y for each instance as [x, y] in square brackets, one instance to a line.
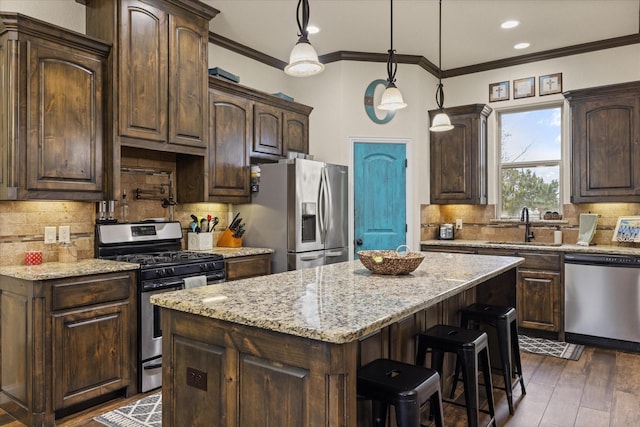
[441, 121]
[303, 61]
[391, 97]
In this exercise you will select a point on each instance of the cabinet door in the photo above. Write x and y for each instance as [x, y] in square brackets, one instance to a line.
[188, 41]
[295, 134]
[90, 353]
[459, 157]
[606, 153]
[143, 72]
[65, 136]
[247, 266]
[538, 300]
[267, 129]
[229, 142]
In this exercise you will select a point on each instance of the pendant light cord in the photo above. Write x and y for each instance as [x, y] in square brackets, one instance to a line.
[302, 26]
[392, 65]
[439, 89]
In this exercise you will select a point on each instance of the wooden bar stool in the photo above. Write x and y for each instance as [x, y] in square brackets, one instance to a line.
[504, 320]
[405, 386]
[471, 349]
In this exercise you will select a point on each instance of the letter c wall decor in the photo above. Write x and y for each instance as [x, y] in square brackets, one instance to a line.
[369, 103]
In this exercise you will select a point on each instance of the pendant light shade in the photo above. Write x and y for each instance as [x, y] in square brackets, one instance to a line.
[303, 61]
[391, 97]
[441, 121]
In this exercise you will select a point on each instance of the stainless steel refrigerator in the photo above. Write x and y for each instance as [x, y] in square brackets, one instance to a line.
[299, 210]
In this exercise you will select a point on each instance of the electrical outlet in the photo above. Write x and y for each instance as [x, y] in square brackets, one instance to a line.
[458, 224]
[49, 235]
[65, 234]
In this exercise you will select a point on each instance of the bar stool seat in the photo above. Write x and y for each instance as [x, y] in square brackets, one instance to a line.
[405, 386]
[471, 349]
[504, 320]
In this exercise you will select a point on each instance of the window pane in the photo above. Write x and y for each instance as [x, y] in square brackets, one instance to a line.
[531, 135]
[535, 187]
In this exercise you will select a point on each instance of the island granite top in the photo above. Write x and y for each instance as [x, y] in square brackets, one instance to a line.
[61, 270]
[336, 303]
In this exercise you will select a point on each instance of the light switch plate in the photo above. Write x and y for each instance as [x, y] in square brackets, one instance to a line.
[458, 224]
[49, 235]
[65, 234]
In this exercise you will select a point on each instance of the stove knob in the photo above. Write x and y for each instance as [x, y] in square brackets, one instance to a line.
[171, 271]
[162, 272]
[205, 266]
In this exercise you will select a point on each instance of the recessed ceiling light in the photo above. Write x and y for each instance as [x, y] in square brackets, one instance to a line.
[509, 24]
[312, 29]
[521, 46]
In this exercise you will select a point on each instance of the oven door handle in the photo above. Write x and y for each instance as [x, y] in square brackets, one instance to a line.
[154, 366]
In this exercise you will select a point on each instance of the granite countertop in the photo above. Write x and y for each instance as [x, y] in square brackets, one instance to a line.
[537, 246]
[336, 303]
[61, 270]
[236, 252]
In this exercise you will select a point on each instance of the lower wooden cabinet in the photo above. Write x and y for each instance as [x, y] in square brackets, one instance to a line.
[72, 341]
[247, 266]
[539, 300]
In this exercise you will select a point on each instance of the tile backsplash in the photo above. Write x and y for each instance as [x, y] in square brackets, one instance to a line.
[479, 222]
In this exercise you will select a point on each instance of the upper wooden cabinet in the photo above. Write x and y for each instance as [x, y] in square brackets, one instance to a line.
[159, 69]
[245, 123]
[229, 140]
[459, 157]
[605, 143]
[51, 111]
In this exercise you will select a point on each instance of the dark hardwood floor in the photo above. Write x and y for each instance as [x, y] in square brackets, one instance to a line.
[602, 389]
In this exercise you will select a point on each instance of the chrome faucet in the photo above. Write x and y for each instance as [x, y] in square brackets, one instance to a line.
[524, 216]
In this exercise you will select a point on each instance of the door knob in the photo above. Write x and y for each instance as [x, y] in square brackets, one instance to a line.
[359, 242]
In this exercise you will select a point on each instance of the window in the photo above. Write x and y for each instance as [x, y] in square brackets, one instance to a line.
[530, 160]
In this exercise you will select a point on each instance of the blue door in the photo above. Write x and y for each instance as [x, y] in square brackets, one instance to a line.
[379, 199]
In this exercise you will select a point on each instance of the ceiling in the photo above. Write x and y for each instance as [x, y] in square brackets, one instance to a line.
[471, 32]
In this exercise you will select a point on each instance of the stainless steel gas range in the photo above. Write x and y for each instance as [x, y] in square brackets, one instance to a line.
[156, 246]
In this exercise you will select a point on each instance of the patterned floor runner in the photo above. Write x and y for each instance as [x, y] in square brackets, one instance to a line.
[146, 412]
[563, 350]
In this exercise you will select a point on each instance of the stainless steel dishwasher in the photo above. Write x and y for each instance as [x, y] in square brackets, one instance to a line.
[602, 300]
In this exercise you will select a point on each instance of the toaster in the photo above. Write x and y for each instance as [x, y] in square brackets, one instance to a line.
[445, 232]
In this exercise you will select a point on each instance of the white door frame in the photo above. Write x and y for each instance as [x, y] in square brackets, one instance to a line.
[409, 185]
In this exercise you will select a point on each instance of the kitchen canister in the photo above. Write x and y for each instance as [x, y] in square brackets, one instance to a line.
[33, 257]
[67, 252]
[557, 236]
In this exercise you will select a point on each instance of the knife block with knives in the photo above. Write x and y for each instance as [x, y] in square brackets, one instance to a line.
[228, 241]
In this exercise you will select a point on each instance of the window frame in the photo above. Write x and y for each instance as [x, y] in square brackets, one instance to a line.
[537, 163]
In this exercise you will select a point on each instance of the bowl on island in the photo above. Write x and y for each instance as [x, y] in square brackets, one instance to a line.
[390, 262]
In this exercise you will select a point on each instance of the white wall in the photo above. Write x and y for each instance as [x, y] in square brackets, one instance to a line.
[65, 13]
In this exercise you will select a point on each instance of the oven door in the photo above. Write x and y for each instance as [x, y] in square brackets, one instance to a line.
[150, 332]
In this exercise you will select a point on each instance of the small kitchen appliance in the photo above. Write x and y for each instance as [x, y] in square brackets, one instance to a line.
[445, 232]
[164, 267]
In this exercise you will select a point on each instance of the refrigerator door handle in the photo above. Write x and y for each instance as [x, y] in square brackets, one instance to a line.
[333, 253]
[322, 200]
[310, 257]
[328, 201]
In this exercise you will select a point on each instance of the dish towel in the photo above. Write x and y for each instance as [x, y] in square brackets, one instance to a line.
[587, 229]
[194, 282]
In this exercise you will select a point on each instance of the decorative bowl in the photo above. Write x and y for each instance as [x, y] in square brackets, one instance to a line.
[390, 262]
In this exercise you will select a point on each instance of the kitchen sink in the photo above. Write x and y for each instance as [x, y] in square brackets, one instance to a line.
[523, 243]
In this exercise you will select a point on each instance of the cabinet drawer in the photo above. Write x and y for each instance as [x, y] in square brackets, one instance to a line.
[540, 261]
[249, 266]
[90, 290]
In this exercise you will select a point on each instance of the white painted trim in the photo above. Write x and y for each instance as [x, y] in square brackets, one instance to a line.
[409, 209]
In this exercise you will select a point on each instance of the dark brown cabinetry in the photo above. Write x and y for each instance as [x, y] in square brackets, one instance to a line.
[51, 111]
[605, 143]
[159, 94]
[459, 157]
[246, 124]
[539, 292]
[243, 267]
[73, 341]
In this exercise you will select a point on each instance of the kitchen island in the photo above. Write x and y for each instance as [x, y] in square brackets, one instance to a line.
[283, 350]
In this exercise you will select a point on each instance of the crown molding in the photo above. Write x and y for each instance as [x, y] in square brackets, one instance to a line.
[427, 65]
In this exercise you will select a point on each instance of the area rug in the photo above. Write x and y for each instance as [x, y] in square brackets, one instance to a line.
[146, 412]
[563, 350]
